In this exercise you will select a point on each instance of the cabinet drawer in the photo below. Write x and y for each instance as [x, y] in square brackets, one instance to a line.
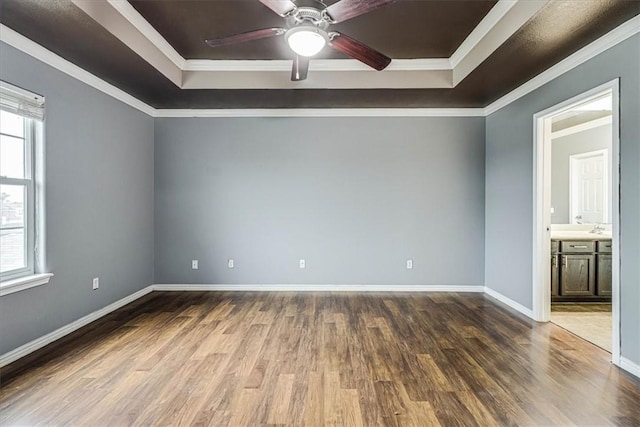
[554, 246]
[577, 246]
[604, 246]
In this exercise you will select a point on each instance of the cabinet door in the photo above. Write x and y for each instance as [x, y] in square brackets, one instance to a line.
[554, 275]
[603, 280]
[578, 275]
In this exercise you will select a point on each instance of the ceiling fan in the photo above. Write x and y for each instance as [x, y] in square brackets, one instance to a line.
[306, 32]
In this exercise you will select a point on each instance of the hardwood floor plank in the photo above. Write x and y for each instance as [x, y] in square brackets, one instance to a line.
[350, 408]
[314, 359]
[389, 401]
[421, 414]
[281, 399]
[243, 411]
[451, 411]
[332, 403]
[314, 405]
[436, 380]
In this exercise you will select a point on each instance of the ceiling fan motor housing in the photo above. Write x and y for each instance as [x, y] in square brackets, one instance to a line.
[308, 16]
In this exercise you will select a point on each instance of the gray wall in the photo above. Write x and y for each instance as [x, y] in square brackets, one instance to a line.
[509, 183]
[355, 197]
[99, 202]
[561, 150]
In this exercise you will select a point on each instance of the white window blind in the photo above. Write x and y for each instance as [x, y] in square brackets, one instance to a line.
[21, 102]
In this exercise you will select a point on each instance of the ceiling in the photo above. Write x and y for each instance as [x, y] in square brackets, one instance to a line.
[406, 29]
[462, 53]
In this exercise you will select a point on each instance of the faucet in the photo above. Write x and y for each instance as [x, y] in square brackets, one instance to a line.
[597, 228]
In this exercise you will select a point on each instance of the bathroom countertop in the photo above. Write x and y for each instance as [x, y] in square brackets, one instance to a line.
[579, 235]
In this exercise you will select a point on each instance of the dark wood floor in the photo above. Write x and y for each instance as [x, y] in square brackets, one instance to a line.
[314, 359]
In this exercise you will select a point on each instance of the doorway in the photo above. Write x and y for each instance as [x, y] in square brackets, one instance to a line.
[576, 216]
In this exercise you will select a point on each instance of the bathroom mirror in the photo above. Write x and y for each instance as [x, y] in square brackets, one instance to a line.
[581, 176]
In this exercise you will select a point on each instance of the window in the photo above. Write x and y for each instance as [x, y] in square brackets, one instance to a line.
[21, 115]
[16, 195]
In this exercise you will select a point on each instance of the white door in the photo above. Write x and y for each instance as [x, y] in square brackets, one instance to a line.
[588, 172]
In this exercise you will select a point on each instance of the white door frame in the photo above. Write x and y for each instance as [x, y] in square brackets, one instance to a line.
[542, 207]
[607, 190]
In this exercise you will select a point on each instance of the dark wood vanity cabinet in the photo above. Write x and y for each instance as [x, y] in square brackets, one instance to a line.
[580, 270]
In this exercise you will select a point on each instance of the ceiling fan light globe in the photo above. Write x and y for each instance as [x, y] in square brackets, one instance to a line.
[306, 41]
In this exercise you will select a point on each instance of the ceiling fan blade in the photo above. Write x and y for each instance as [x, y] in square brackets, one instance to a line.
[245, 37]
[359, 51]
[300, 68]
[281, 7]
[347, 9]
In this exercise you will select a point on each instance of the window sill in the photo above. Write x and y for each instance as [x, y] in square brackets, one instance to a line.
[22, 283]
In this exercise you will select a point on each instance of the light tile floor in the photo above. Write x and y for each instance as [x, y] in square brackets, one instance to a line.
[593, 326]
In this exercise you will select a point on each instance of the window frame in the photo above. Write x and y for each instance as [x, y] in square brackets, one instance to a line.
[28, 182]
[30, 106]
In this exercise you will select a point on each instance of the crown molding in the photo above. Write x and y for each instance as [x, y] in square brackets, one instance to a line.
[612, 38]
[20, 42]
[324, 112]
[603, 121]
[315, 65]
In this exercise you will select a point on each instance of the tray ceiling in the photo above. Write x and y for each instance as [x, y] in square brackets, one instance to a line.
[446, 53]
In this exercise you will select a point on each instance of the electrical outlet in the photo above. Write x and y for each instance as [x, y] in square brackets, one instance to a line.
[194, 264]
[409, 264]
[303, 264]
[230, 263]
[96, 283]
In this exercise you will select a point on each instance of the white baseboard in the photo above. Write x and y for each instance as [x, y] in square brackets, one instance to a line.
[318, 288]
[629, 366]
[38, 343]
[508, 301]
